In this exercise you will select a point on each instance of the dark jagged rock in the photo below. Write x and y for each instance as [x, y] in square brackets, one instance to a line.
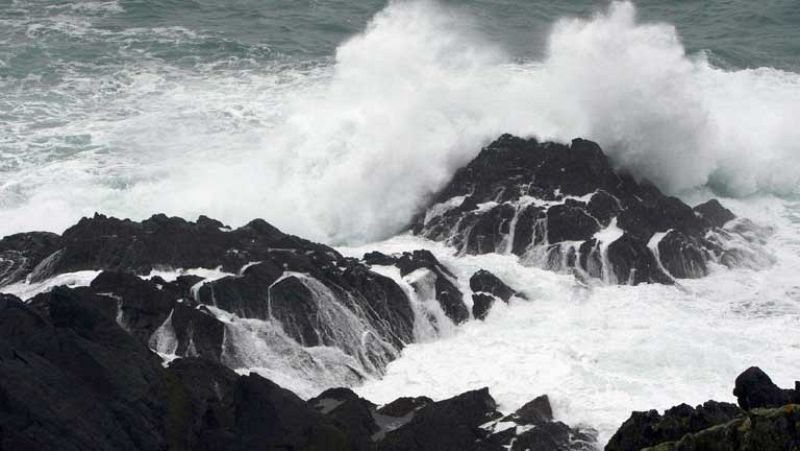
[470, 421]
[72, 379]
[755, 389]
[481, 304]
[770, 421]
[564, 207]
[453, 424]
[533, 413]
[320, 297]
[486, 288]
[276, 418]
[314, 297]
[644, 429]
[553, 436]
[19, 254]
[351, 414]
[759, 430]
[486, 282]
[444, 289]
[403, 406]
[713, 212]
[143, 306]
[123, 245]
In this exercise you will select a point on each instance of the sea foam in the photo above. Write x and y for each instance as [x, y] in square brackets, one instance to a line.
[348, 151]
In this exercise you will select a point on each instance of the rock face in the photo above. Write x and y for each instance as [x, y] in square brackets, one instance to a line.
[645, 429]
[563, 207]
[487, 288]
[277, 289]
[470, 421]
[759, 430]
[249, 297]
[428, 277]
[73, 379]
[755, 389]
[769, 419]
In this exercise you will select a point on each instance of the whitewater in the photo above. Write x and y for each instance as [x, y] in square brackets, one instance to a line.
[346, 150]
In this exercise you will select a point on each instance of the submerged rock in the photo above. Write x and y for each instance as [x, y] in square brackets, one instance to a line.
[563, 207]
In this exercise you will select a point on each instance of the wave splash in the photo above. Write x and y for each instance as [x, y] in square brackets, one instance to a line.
[415, 96]
[348, 152]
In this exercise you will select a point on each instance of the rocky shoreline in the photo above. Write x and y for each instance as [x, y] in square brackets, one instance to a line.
[139, 351]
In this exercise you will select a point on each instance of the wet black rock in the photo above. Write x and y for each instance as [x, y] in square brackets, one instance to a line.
[533, 413]
[486, 282]
[486, 288]
[713, 212]
[769, 419]
[319, 297]
[105, 243]
[405, 405]
[554, 436]
[470, 421]
[351, 414]
[645, 429]
[453, 424]
[481, 305]
[775, 429]
[755, 389]
[565, 208]
[436, 279]
[72, 379]
[19, 254]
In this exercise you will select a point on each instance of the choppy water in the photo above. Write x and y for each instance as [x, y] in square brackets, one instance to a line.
[287, 109]
[334, 120]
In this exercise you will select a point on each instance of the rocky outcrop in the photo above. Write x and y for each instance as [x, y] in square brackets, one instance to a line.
[470, 421]
[486, 288]
[428, 277]
[645, 429]
[73, 379]
[755, 389]
[301, 291]
[767, 418]
[563, 207]
[248, 297]
[759, 430]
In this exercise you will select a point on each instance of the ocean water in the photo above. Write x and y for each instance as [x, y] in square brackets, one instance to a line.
[334, 120]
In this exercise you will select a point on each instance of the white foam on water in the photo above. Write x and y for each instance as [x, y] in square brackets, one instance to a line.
[170, 275]
[601, 352]
[26, 290]
[262, 347]
[347, 151]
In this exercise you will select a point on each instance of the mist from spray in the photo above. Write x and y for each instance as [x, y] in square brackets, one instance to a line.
[348, 151]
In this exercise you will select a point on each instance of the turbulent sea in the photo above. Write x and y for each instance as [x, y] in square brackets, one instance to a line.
[334, 120]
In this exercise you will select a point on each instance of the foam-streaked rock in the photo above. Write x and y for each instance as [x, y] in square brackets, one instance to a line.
[564, 207]
[769, 419]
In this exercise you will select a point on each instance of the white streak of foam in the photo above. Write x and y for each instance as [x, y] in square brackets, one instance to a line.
[601, 352]
[26, 290]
